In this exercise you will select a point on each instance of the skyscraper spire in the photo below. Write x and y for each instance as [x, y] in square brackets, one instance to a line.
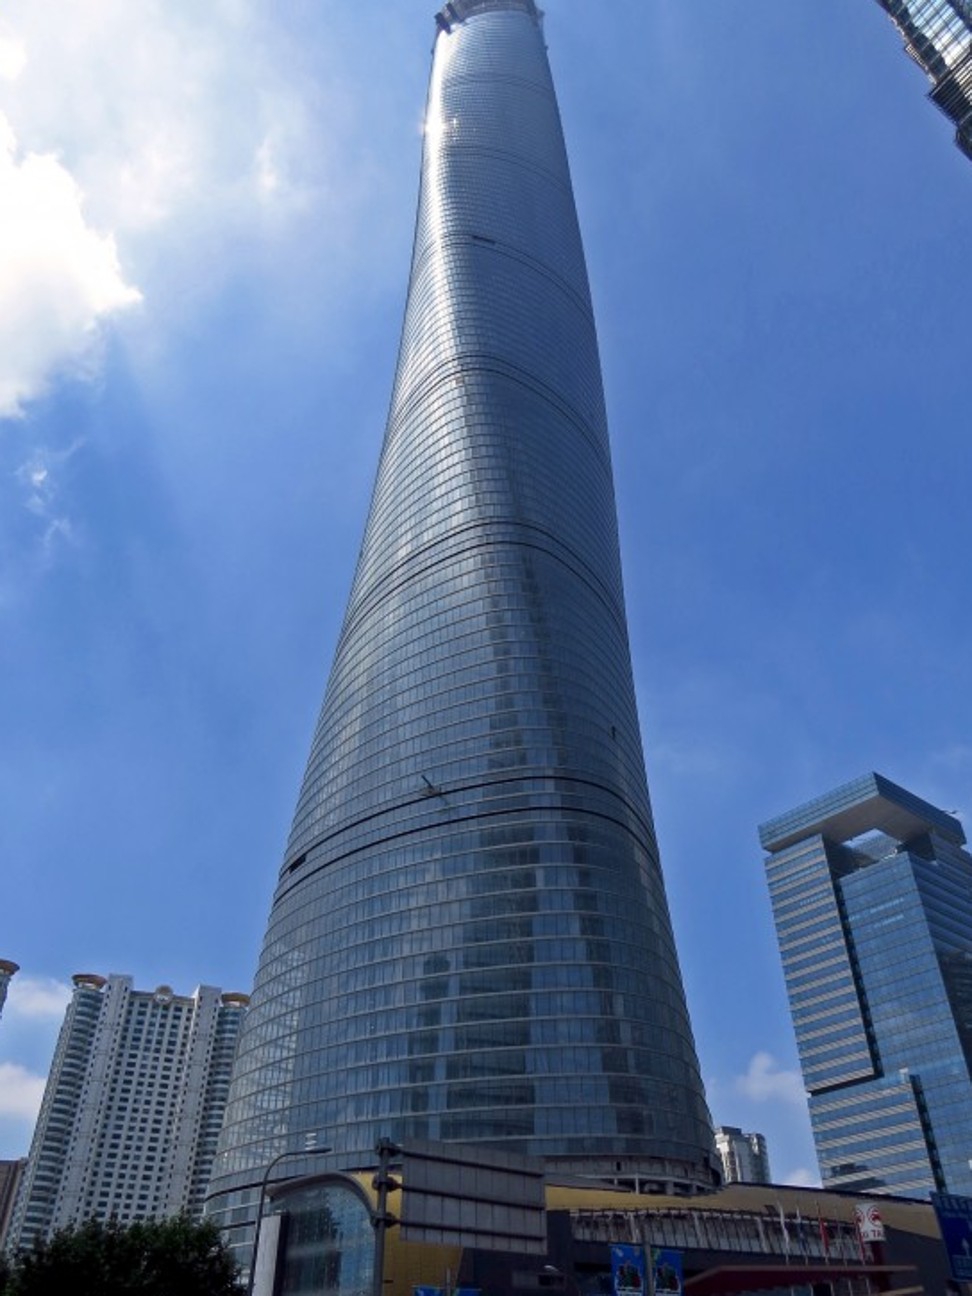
[470, 938]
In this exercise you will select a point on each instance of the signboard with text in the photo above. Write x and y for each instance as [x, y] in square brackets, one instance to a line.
[870, 1226]
[955, 1221]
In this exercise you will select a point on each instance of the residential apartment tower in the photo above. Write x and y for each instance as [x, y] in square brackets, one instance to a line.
[132, 1109]
[744, 1156]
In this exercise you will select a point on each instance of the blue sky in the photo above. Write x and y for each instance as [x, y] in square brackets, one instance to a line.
[203, 265]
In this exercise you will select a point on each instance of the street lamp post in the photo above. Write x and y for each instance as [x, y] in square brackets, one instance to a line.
[296, 1152]
[382, 1219]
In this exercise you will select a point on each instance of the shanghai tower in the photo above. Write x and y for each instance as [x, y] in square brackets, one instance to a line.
[470, 939]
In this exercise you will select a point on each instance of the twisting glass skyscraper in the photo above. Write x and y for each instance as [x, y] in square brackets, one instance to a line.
[470, 938]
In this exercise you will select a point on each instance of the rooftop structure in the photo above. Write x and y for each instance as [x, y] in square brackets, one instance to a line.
[866, 804]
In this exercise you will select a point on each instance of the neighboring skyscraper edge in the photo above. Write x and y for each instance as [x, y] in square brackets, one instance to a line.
[932, 43]
[872, 900]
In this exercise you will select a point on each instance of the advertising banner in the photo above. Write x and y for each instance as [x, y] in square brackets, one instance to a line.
[666, 1272]
[628, 1270]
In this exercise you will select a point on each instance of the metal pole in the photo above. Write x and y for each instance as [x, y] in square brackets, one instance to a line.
[383, 1183]
[310, 1151]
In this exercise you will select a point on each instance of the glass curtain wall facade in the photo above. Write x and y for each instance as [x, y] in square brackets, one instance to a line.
[326, 1246]
[470, 938]
[938, 36]
[872, 898]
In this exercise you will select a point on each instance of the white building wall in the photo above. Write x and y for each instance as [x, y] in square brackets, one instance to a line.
[119, 1130]
[744, 1156]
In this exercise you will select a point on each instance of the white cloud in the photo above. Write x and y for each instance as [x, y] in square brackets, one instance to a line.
[801, 1177]
[13, 56]
[135, 139]
[39, 478]
[32, 1018]
[766, 1081]
[58, 277]
[21, 1091]
[265, 169]
[160, 109]
[36, 998]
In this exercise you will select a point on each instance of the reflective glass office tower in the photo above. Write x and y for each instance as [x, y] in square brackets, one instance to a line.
[938, 36]
[470, 938]
[872, 897]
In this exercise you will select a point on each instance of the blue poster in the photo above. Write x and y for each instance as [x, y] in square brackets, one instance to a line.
[955, 1220]
[666, 1272]
[628, 1270]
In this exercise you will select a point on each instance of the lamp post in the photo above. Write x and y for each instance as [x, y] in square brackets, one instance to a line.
[296, 1152]
[382, 1219]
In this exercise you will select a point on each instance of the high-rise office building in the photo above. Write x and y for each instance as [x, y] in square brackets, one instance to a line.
[938, 36]
[132, 1109]
[744, 1156]
[470, 937]
[7, 970]
[872, 897]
